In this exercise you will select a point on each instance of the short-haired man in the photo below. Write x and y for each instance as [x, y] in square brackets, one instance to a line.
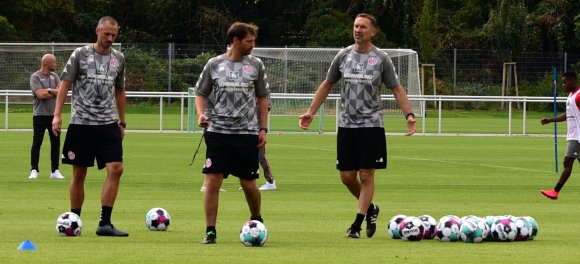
[572, 117]
[361, 135]
[44, 85]
[96, 73]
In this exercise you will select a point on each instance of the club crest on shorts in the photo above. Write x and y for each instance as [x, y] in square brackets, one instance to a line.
[71, 155]
[207, 163]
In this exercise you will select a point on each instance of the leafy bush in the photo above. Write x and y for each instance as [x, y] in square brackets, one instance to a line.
[186, 71]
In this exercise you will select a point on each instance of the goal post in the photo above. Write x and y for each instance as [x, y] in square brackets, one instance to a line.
[293, 71]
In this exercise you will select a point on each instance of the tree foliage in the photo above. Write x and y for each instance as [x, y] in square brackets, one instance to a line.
[506, 29]
[552, 25]
[428, 31]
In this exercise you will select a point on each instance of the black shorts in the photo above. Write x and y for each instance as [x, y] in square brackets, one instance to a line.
[361, 148]
[84, 143]
[231, 154]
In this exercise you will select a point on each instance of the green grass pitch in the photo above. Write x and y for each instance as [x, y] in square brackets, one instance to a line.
[309, 213]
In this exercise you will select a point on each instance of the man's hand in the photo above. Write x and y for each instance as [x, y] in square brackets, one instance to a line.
[545, 121]
[202, 121]
[305, 120]
[56, 123]
[411, 125]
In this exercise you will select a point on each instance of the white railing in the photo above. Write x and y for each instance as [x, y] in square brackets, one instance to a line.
[438, 99]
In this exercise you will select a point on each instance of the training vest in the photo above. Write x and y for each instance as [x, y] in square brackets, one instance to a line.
[573, 116]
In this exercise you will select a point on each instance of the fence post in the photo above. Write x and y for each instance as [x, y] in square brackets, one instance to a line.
[181, 113]
[440, 114]
[161, 113]
[524, 117]
[510, 117]
[191, 110]
[6, 113]
[169, 59]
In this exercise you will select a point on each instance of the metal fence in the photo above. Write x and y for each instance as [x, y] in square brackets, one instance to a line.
[183, 118]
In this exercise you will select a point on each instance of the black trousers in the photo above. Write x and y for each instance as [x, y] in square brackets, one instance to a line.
[41, 124]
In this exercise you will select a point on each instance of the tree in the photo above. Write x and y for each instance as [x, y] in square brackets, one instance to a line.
[463, 21]
[7, 31]
[329, 27]
[428, 31]
[552, 24]
[506, 29]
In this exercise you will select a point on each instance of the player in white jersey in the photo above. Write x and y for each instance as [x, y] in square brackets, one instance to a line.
[96, 75]
[238, 82]
[572, 116]
[361, 135]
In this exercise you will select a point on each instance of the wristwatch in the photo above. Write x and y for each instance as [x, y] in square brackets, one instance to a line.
[123, 124]
[50, 91]
[265, 129]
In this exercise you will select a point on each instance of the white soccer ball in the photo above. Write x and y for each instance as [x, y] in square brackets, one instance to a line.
[524, 229]
[489, 220]
[465, 218]
[253, 233]
[534, 224]
[157, 219]
[473, 230]
[69, 224]
[411, 229]
[393, 227]
[447, 229]
[429, 225]
[504, 229]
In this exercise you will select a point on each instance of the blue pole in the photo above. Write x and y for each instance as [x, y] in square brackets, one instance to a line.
[555, 124]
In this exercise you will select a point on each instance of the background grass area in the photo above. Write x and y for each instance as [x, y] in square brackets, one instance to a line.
[309, 213]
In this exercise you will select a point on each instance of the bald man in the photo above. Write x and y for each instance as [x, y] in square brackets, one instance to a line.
[44, 84]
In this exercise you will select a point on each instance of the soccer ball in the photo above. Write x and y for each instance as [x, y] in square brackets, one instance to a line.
[69, 224]
[473, 230]
[489, 220]
[411, 229]
[466, 217]
[253, 233]
[429, 224]
[447, 229]
[157, 219]
[524, 228]
[534, 224]
[504, 229]
[393, 228]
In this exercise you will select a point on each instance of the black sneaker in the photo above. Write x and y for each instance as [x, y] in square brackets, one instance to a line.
[372, 220]
[259, 218]
[353, 232]
[209, 238]
[110, 230]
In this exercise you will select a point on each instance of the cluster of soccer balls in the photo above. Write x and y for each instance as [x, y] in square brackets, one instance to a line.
[470, 229]
[252, 233]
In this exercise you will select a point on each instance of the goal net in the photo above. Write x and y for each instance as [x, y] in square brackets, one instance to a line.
[297, 72]
[19, 60]
[294, 74]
